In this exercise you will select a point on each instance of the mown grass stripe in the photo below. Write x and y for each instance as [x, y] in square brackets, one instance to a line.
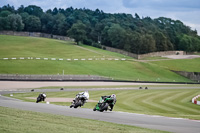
[173, 101]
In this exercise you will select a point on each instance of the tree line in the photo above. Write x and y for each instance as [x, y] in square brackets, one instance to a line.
[123, 31]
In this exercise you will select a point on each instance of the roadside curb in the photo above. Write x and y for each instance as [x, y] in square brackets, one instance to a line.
[194, 100]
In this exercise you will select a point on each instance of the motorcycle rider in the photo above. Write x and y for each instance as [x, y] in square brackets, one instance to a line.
[84, 96]
[42, 96]
[111, 100]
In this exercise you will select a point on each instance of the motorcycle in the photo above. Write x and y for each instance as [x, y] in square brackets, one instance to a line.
[80, 99]
[102, 105]
[41, 97]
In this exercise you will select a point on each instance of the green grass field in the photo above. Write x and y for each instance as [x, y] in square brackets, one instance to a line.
[18, 121]
[136, 71]
[189, 65]
[15, 46]
[165, 102]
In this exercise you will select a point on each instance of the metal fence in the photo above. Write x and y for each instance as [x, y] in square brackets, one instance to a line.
[17, 77]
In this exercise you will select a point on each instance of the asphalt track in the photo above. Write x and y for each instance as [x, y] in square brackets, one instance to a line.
[177, 125]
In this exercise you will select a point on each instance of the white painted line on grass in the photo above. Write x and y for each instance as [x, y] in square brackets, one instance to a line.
[22, 58]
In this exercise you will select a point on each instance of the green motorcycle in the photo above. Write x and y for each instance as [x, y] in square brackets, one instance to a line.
[104, 103]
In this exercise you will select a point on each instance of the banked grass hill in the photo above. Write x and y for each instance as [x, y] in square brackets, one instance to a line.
[83, 60]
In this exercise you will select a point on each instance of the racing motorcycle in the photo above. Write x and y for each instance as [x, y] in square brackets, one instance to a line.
[41, 97]
[102, 105]
[80, 99]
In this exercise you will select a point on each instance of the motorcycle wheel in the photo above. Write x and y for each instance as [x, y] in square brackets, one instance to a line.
[104, 107]
[38, 100]
[94, 108]
[77, 104]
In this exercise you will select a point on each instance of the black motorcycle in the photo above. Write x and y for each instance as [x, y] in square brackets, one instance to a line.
[41, 97]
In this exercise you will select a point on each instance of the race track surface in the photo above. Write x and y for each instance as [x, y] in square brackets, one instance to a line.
[177, 125]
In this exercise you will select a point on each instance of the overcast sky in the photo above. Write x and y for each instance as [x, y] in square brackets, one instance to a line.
[187, 11]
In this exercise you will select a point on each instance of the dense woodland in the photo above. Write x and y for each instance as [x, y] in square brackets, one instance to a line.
[123, 31]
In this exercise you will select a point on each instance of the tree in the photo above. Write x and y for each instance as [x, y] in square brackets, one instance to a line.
[116, 34]
[136, 43]
[55, 11]
[4, 24]
[20, 9]
[5, 13]
[47, 23]
[34, 10]
[137, 16]
[78, 32]
[15, 22]
[189, 43]
[60, 26]
[25, 17]
[8, 8]
[148, 44]
[161, 41]
[33, 24]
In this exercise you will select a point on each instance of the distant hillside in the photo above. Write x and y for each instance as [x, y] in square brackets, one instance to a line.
[31, 55]
[123, 31]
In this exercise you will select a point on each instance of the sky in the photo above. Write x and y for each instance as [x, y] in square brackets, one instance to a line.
[187, 11]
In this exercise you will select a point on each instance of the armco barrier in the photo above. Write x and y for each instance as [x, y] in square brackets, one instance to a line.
[17, 77]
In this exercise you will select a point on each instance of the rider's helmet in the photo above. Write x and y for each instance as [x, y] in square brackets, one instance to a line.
[86, 94]
[113, 96]
[44, 95]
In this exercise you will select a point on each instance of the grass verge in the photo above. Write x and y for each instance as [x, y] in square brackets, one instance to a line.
[18, 121]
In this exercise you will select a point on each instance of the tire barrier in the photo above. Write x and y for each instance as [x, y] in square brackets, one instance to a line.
[194, 100]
